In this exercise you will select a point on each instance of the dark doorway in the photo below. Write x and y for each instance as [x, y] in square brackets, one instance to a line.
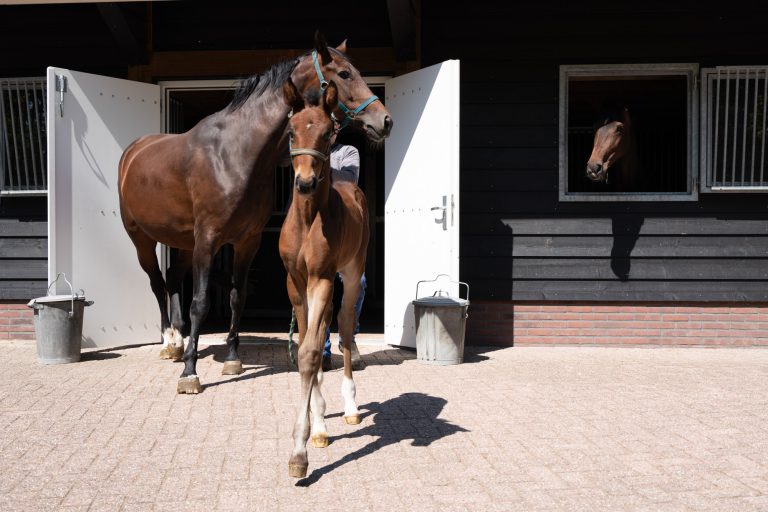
[267, 307]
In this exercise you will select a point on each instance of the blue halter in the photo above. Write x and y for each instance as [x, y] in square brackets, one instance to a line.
[349, 115]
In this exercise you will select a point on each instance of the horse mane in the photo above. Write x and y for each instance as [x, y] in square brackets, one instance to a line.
[271, 79]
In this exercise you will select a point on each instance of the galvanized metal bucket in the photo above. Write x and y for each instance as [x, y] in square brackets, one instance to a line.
[441, 322]
[59, 325]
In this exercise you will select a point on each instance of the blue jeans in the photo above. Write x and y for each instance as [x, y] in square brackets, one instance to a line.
[358, 307]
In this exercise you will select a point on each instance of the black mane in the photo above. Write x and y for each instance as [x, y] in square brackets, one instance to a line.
[272, 78]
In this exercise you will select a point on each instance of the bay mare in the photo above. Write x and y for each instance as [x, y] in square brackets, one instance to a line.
[212, 185]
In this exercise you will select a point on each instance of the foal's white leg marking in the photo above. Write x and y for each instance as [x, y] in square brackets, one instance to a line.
[317, 406]
[348, 393]
[172, 337]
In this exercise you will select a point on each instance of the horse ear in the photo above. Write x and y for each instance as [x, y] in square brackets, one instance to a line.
[625, 117]
[321, 45]
[342, 47]
[292, 96]
[330, 98]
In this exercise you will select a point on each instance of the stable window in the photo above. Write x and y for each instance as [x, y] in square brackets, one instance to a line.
[733, 114]
[627, 132]
[22, 136]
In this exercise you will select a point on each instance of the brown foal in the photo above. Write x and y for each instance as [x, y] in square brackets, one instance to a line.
[325, 232]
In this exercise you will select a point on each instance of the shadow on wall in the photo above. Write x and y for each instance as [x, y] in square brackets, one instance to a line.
[626, 231]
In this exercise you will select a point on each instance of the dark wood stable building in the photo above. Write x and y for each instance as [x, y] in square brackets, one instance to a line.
[548, 257]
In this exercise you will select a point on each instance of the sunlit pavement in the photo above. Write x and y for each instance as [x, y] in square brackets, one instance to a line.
[560, 428]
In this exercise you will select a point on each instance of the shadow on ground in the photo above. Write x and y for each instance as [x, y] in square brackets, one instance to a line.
[411, 416]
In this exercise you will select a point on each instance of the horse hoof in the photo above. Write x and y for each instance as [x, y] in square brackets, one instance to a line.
[189, 386]
[320, 440]
[232, 368]
[352, 420]
[297, 470]
[171, 352]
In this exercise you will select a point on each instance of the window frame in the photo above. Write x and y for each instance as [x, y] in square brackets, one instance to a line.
[688, 70]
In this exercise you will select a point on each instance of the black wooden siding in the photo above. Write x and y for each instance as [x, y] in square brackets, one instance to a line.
[518, 242]
[23, 258]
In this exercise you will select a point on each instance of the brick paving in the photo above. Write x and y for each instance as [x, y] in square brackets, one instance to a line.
[531, 428]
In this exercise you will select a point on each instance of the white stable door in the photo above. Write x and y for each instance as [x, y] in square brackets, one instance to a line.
[91, 120]
[421, 187]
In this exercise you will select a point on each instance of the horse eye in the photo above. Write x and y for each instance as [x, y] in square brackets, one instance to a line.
[344, 74]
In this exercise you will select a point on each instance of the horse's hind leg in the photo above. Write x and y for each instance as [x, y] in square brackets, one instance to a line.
[181, 262]
[244, 253]
[202, 257]
[346, 321]
[145, 249]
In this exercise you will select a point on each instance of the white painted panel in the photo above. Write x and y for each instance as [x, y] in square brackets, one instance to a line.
[87, 133]
[421, 178]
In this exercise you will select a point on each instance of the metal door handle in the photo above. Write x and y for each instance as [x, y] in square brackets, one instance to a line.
[444, 208]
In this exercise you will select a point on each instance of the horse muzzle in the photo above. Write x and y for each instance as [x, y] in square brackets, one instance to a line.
[306, 186]
[597, 172]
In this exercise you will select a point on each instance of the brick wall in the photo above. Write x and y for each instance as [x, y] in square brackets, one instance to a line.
[16, 321]
[494, 323]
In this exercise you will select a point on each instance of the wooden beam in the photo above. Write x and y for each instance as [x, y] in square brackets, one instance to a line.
[239, 63]
[118, 26]
[403, 24]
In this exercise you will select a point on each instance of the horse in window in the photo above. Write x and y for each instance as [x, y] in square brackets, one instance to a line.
[614, 161]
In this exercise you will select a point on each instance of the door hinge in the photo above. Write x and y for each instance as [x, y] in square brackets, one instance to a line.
[61, 88]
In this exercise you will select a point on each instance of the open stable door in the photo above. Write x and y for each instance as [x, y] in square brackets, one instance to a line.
[421, 191]
[91, 120]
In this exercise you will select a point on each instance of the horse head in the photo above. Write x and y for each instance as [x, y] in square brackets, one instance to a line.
[613, 139]
[356, 104]
[310, 131]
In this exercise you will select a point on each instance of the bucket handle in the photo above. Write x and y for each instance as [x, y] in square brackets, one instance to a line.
[71, 291]
[449, 280]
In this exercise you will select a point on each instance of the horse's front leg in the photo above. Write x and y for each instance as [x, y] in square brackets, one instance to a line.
[201, 265]
[347, 320]
[319, 295]
[244, 253]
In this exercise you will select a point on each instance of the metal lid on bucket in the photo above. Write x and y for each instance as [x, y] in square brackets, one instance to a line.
[441, 298]
[71, 297]
[441, 301]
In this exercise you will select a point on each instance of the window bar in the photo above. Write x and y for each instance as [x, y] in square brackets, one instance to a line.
[712, 171]
[753, 127]
[4, 158]
[23, 178]
[32, 158]
[39, 128]
[744, 127]
[735, 128]
[765, 111]
[14, 185]
[725, 122]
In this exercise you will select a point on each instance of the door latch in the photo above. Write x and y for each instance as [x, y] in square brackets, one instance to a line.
[444, 208]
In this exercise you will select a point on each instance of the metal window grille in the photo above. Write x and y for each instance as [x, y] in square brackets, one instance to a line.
[23, 164]
[734, 106]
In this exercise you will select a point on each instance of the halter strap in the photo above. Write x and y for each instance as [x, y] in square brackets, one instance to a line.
[309, 151]
[349, 115]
